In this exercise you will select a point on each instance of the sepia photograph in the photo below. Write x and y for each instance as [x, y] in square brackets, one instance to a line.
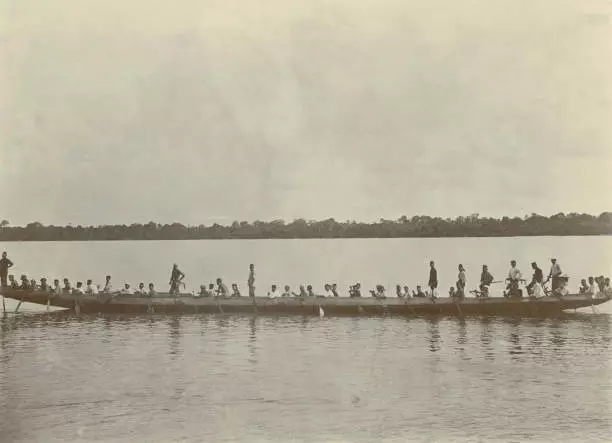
[305, 221]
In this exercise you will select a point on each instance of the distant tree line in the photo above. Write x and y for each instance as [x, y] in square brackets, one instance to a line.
[417, 226]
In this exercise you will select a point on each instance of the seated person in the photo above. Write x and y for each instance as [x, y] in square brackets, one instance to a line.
[127, 290]
[451, 292]
[593, 287]
[79, 289]
[334, 289]
[561, 290]
[584, 287]
[406, 292]
[33, 285]
[607, 287]
[398, 291]
[235, 290]
[12, 282]
[274, 293]
[57, 288]
[67, 286]
[379, 292]
[328, 290]
[25, 284]
[152, 290]
[222, 290]
[91, 289]
[43, 284]
[309, 291]
[537, 290]
[141, 289]
[600, 283]
[419, 292]
[303, 292]
[355, 290]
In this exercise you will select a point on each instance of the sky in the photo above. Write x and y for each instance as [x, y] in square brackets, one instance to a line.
[212, 111]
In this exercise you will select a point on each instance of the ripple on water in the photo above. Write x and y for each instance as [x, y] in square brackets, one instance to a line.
[194, 378]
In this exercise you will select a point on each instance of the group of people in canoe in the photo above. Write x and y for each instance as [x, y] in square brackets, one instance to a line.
[535, 288]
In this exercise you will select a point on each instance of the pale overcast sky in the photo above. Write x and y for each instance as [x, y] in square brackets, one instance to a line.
[200, 111]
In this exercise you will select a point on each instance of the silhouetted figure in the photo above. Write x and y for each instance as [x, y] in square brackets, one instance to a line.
[461, 282]
[108, 287]
[5, 264]
[486, 279]
[251, 280]
[176, 278]
[433, 277]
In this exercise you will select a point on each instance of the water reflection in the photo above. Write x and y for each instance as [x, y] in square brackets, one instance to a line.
[174, 333]
[557, 335]
[486, 337]
[514, 336]
[433, 333]
[252, 344]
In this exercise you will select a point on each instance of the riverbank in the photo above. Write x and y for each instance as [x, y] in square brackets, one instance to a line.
[404, 227]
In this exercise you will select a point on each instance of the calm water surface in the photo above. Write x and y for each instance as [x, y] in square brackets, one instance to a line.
[249, 379]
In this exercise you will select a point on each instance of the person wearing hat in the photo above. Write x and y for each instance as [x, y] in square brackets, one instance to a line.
[555, 274]
[538, 277]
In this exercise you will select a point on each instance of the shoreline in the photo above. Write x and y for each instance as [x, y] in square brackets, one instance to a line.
[24, 240]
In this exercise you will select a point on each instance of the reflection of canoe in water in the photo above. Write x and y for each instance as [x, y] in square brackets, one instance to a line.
[186, 303]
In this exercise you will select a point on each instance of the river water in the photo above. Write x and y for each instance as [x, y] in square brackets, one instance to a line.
[248, 379]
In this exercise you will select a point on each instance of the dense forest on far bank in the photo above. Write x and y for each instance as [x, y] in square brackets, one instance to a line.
[417, 226]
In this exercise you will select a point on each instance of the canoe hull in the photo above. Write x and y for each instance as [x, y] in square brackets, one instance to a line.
[309, 306]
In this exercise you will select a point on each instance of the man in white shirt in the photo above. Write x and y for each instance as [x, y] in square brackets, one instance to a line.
[91, 288]
[554, 274]
[127, 290]
[514, 277]
[78, 289]
[274, 293]
[328, 291]
[141, 289]
[593, 288]
[108, 287]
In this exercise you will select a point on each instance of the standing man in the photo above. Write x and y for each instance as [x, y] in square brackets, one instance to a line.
[176, 278]
[251, 281]
[5, 264]
[554, 274]
[486, 279]
[433, 277]
[461, 282]
[514, 277]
